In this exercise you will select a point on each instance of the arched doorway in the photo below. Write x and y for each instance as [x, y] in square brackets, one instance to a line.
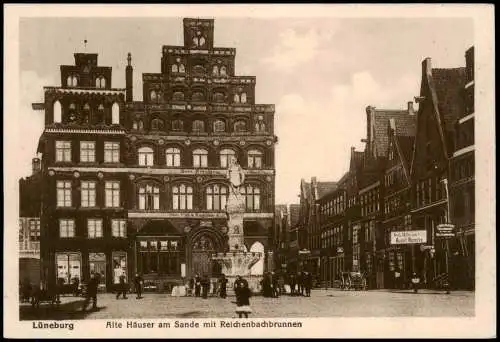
[202, 247]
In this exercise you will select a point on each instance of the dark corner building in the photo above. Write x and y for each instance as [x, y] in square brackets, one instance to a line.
[132, 186]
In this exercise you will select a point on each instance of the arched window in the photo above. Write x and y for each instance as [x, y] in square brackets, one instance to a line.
[182, 197]
[223, 71]
[149, 197]
[182, 69]
[57, 112]
[216, 197]
[173, 157]
[157, 124]
[137, 124]
[178, 96]
[236, 98]
[243, 97]
[260, 126]
[225, 156]
[255, 159]
[258, 268]
[86, 113]
[153, 96]
[219, 97]
[215, 70]
[177, 125]
[200, 158]
[198, 126]
[175, 68]
[146, 156]
[72, 81]
[240, 126]
[115, 114]
[252, 197]
[219, 126]
[198, 96]
[100, 82]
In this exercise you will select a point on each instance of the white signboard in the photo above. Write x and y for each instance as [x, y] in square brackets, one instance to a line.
[408, 237]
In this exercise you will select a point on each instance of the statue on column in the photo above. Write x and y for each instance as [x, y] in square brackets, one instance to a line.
[236, 176]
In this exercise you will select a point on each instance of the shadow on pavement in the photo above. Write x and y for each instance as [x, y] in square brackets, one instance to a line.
[66, 311]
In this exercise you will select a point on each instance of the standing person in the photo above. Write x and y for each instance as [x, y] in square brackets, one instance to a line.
[308, 283]
[281, 284]
[92, 286]
[205, 284]
[293, 282]
[397, 279]
[122, 287]
[275, 285]
[243, 295]
[300, 283]
[197, 285]
[266, 285]
[236, 286]
[191, 286]
[223, 286]
[138, 282]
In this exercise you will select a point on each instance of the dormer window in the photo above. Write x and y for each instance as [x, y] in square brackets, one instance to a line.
[100, 82]
[72, 81]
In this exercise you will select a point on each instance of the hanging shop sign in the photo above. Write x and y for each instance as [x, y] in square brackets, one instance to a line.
[408, 237]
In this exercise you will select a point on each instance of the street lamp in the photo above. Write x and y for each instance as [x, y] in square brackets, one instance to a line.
[447, 244]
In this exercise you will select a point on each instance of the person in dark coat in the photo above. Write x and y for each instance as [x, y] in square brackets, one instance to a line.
[205, 284]
[293, 282]
[266, 285]
[300, 283]
[122, 288]
[197, 285]
[308, 283]
[275, 285]
[191, 286]
[223, 286]
[238, 284]
[92, 286]
[138, 281]
[243, 295]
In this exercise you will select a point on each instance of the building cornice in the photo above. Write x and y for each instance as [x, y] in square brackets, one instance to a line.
[84, 131]
[197, 215]
[159, 171]
[115, 91]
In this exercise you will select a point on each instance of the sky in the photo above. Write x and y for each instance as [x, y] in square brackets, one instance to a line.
[321, 73]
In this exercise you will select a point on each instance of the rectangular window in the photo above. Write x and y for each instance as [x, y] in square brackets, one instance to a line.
[119, 228]
[63, 151]
[66, 228]
[68, 267]
[87, 151]
[112, 193]
[34, 227]
[88, 194]
[94, 228]
[64, 193]
[111, 152]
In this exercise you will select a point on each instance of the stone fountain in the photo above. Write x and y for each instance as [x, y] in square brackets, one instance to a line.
[237, 261]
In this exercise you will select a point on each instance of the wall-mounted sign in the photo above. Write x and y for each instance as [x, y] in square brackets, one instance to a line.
[445, 230]
[408, 237]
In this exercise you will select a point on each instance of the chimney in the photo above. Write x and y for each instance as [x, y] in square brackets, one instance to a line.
[129, 79]
[411, 111]
[35, 165]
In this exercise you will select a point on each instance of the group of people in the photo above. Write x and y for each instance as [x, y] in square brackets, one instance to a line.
[200, 286]
[300, 284]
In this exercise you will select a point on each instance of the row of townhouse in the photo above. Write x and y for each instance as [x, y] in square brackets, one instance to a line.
[415, 173]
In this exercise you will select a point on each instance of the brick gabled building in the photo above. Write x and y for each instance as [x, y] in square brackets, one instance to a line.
[441, 104]
[133, 186]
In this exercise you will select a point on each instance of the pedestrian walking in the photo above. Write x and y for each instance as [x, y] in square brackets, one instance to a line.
[223, 286]
[59, 289]
[122, 288]
[243, 295]
[415, 280]
[197, 285]
[91, 293]
[191, 287]
[300, 283]
[293, 283]
[275, 285]
[138, 282]
[266, 283]
[397, 279]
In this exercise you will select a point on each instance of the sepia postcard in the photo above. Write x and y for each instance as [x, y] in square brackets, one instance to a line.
[249, 171]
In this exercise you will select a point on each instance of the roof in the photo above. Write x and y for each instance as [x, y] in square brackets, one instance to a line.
[325, 188]
[294, 214]
[406, 145]
[405, 125]
[449, 84]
